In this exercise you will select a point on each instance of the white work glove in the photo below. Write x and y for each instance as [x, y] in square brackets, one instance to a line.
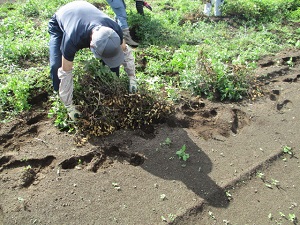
[132, 84]
[65, 86]
[66, 93]
[73, 113]
[128, 63]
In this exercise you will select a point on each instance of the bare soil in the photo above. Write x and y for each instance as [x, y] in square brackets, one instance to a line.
[135, 176]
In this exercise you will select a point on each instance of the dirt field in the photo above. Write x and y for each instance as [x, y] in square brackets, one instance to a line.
[135, 177]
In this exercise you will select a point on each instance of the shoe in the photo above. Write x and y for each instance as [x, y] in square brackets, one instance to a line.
[128, 39]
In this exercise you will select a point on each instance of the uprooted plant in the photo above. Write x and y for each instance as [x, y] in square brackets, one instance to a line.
[107, 106]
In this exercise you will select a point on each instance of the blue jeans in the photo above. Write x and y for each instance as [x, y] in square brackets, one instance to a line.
[119, 8]
[56, 35]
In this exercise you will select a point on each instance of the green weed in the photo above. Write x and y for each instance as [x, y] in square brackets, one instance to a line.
[179, 51]
[26, 168]
[211, 215]
[116, 186]
[253, 10]
[14, 95]
[59, 113]
[270, 216]
[228, 195]
[163, 197]
[182, 154]
[292, 217]
[167, 142]
[260, 175]
[171, 217]
[30, 9]
[288, 150]
[272, 183]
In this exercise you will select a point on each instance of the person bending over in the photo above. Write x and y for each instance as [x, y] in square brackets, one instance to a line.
[79, 25]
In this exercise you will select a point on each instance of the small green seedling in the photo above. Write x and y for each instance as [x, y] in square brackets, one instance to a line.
[275, 182]
[269, 186]
[79, 162]
[20, 199]
[26, 168]
[290, 62]
[163, 219]
[272, 183]
[171, 217]
[288, 150]
[163, 197]
[228, 195]
[182, 154]
[292, 217]
[270, 216]
[116, 186]
[226, 222]
[260, 175]
[211, 215]
[167, 142]
[282, 214]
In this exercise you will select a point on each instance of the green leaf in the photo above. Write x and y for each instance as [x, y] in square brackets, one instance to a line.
[270, 216]
[185, 157]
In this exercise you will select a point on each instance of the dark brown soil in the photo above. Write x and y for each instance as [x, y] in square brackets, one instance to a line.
[135, 177]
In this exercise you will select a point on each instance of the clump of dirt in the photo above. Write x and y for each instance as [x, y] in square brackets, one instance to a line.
[27, 177]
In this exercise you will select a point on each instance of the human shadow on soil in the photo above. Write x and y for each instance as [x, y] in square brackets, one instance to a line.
[160, 159]
[194, 172]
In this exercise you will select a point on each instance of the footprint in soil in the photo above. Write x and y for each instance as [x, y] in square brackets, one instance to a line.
[283, 105]
[101, 157]
[27, 177]
[240, 119]
[31, 167]
[274, 95]
[21, 131]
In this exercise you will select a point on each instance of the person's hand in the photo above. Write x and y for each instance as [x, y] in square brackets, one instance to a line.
[73, 113]
[132, 84]
[147, 6]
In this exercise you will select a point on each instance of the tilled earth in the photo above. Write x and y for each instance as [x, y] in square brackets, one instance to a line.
[135, 176]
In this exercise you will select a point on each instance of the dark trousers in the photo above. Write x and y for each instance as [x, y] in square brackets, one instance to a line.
[56, 35]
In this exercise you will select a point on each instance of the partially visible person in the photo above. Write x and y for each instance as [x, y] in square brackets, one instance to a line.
[119, 8]
[79, 25]
[208, 4]
[140, 4]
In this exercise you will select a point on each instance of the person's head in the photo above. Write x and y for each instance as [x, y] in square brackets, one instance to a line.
[105, 45]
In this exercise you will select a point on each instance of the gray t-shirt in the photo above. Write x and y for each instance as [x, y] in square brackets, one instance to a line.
[76, 20]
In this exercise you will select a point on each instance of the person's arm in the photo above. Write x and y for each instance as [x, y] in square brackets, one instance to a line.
[66, 64]
[123, 45]
[66, 88]
[128, 63]
[66, 82]
[129, 67]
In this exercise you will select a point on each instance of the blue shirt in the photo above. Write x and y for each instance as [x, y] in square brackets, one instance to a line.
[77, 20]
